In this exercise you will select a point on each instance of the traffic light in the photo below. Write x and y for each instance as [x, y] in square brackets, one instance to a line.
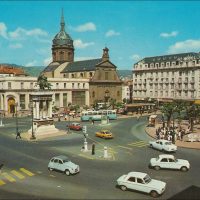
[84, 129]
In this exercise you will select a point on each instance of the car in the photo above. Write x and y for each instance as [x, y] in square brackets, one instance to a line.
[167, 161]
[75, 126]
[163, 145]
[104, 134]
[141, 182]
[62, 163]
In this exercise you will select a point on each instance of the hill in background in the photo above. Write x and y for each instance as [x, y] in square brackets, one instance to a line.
[35, 71]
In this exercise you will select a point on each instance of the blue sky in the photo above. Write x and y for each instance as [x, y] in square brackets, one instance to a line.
[131, 30]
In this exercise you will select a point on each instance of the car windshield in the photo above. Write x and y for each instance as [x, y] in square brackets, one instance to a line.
[147, 179]
[168, 143]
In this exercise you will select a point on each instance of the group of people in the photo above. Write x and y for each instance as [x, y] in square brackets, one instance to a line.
[170, 133]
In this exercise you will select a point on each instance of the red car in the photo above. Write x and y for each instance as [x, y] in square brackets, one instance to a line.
[75, 126]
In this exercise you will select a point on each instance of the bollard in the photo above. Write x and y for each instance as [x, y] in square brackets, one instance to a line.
[85, 145]
[93, 149]
[105, 154]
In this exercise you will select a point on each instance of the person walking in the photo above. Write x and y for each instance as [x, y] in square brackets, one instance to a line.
[18, 135]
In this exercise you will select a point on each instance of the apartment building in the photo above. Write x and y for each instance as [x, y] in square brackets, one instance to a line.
[167, 77]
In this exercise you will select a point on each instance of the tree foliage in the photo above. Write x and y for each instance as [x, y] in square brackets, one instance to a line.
[43, 82]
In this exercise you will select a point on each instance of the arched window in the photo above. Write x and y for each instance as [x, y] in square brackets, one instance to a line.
[81, 74]
[91, 74]
[72, 75]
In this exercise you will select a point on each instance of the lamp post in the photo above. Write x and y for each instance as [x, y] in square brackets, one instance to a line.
[16, 118]
[32, 133]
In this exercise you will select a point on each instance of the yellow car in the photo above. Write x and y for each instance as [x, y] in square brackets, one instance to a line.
[104, 134]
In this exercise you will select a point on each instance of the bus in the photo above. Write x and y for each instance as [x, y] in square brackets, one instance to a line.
[97, 114]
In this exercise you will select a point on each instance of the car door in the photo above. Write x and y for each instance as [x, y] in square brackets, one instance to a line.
[141, 185]
[172, 163]
[60, 165]
[131, 183]
[55, 164]
[164, 163]
[156, 145]
[160, 145]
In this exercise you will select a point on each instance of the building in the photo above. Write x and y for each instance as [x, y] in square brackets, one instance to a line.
[167, 77]
[127, 91]
[104, 82]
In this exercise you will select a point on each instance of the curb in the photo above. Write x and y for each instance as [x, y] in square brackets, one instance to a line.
[176, 144]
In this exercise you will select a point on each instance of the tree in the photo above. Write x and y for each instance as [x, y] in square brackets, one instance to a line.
[168, 109]
[43, 82]
[113, 103]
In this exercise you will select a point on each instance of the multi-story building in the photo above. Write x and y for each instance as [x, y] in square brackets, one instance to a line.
[167, 77]
[127, 91]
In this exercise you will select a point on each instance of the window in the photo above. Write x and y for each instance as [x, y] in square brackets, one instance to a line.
[81, 75]
[31, 85]
[60, 162]
[9, 85]
[139, 180]
[57, 85]
[106, 75]
[65, 85]
[164, 160]
[91, 74]
[61, 55]
[131, 179]
[22, 85]
[56, 160]
[22, 101]
[78, 85]
[83, 85]
[72, 85]
[72, 75]
[171, 160]
[93, 94]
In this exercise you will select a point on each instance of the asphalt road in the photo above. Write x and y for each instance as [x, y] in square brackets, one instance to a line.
[25, 174]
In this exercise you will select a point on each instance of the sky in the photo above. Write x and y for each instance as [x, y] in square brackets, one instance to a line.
[132, 30]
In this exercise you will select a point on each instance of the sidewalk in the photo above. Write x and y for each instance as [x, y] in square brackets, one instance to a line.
[192, 145]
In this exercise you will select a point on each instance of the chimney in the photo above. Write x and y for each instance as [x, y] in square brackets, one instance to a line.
[105, 55]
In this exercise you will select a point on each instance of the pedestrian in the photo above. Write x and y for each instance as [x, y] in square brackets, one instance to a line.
[18, 135]
[1, 165]
[93, 121]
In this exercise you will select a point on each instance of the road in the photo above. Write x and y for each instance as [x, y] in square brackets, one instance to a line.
[25, 173]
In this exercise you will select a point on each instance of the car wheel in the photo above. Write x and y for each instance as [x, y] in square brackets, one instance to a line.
[50, 169]
[123, 187]
[154, 194]
[67, 172]
[156, 167]
[184, 169]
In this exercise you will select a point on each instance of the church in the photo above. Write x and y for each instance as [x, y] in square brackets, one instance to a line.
[104, 82]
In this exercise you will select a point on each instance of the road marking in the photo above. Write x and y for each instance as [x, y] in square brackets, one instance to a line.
[10, 178]
[85, 156]
[142, 145]
[20, 176]
[2, 182]
[27, 172]
[52, 175]
[138, 142]
[125, 147]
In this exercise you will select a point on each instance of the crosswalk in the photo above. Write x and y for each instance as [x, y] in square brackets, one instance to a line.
[139, 144]
[14, 175]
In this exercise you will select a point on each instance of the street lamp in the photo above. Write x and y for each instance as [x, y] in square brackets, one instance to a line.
[17, 130]
[32, 133]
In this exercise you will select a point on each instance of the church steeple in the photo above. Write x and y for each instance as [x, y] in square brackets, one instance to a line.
[62, 22]
[62, 48]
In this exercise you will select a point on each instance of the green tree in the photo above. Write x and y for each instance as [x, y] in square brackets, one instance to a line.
[113, 103]
[43, 82]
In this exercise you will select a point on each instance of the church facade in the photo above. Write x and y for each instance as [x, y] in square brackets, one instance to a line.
[104, 82]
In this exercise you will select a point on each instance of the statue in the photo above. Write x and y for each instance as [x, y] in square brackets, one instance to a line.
[43, 82]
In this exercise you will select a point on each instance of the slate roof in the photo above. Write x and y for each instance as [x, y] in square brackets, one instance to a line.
[169, 58]
[51, 67]
[85, 65]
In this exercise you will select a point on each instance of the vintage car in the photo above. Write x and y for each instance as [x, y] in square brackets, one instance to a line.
[163, 145]
[62, 163]
[141, 182]
[104, 134]
[167, 161]
[75, 126]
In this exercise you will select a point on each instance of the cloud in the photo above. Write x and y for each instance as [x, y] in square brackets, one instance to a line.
[86, 27]
[111, 33]
[79, 44]
[47, 61]
[83, 58]
[32, 63]
[15, 46]
[3, 30]
[167, 35]
[185, 46]
[135, 57]
[21, 33]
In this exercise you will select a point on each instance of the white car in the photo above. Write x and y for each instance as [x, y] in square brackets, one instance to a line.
[169, 162]
[163, 145]
[62, 163]
[141, 182]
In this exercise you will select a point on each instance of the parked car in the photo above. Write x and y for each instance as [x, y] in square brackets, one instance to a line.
[141, 182]
[75, 126]
[163, 145]
[104, 134]
[167, 161]
[62, 163]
